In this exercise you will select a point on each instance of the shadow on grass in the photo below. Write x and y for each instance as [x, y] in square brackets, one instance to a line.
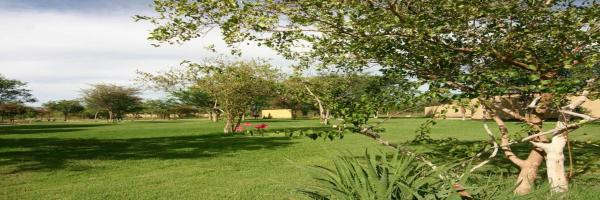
[32, 154]
[158, 121]
[45, 128]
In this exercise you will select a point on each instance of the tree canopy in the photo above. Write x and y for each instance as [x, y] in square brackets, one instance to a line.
[12, 90]
[65, 107]
[542, 51]
[114, 99]
[233, 86]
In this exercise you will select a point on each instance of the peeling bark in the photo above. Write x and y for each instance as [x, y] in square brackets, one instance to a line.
[555, 160]
[528, 168]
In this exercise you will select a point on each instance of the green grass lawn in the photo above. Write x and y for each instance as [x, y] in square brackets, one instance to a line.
[191, 159]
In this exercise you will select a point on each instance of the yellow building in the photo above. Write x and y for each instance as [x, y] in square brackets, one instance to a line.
[592, 108]
[277, 114]
[476, 111]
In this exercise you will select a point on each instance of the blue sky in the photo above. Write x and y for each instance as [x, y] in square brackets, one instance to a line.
[61, 46]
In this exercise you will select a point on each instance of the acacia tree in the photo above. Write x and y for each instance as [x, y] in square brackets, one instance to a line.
[543, 50]
[11, 111]
[14, 91]
[234, 86]
[157, 107]
[198, 99]
[66, 107]
[114, 99]
[12, 96]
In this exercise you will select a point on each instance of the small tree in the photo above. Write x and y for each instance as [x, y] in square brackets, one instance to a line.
[65, 107]
[234, 86]
[11, 111]
[114, 99]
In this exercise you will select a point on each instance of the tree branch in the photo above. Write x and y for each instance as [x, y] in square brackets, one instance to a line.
[495, 147]
[505, 142]
[560, 130]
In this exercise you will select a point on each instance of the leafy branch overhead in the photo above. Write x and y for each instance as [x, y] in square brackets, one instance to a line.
[543, 52]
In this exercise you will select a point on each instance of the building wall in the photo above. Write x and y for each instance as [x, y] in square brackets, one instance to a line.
[277, 113]
[452, 111]
[592, 108]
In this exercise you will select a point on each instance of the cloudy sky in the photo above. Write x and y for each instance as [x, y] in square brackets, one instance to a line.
[61, 46]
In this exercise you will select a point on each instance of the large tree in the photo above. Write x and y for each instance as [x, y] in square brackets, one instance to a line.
[234, 86]
[11, 111]
[65, 107]
[114, 99]
[14, 91]
[544, 51]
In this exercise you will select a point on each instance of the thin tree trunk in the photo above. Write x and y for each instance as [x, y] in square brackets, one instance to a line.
[229, 124]
[66, 116]
[463, 113]
[322, 115]
[217, 116]
[326, 120]
[110, 116]
[217, 112]
[239, 121]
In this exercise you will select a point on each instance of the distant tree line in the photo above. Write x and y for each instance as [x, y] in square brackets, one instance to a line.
[232, 90]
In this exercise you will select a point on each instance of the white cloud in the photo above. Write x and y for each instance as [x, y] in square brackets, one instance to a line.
[60, 53]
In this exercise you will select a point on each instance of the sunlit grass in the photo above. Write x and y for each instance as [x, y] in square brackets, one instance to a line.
[191, 159]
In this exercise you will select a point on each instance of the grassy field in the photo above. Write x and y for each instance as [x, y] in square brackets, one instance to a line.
[191, 159]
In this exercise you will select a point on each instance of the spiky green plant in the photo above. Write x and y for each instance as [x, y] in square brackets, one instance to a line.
[380, 176]
[397, 176]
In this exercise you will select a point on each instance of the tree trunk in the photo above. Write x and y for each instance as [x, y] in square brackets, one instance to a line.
[229, 124]
[216, 116]
[322, 115]
[210, 115]
[239, 121]
[528, 172]
[96, 116]
[216, 111]
[528, 168]
[555, 159]
[463, 113]
[326, 120]
[66, 116]
[555, 163]
[110, 116]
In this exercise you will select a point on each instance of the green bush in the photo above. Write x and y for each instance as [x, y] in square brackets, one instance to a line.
[380, 176]
[396, 176]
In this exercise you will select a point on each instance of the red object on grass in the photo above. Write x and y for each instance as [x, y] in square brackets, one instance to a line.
[247, 124]
[261, 126]
[239, 129]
